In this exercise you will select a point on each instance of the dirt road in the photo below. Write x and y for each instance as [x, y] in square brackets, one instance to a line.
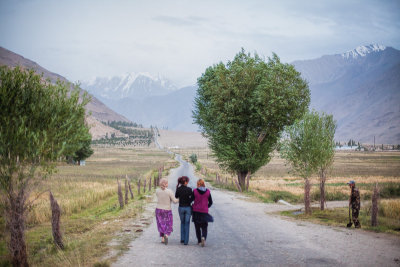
[245, 233]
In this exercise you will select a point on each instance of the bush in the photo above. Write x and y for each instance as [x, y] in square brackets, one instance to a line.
[193, 158]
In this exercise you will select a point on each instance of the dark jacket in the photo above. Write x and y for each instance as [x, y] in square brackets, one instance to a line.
[184, 193]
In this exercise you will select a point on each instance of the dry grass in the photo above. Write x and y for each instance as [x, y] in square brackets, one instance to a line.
[390, 208]
[88, 199]
[366, 168]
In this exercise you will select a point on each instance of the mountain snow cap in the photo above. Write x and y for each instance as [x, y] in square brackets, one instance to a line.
[362, 51]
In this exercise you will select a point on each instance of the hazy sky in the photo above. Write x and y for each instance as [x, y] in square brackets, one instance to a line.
[179, 39]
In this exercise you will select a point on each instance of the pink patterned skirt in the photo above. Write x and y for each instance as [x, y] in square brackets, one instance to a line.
[164, 221]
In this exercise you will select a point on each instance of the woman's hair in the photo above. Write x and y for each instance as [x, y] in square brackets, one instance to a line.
[182, 180]
[163, 183]
[200, 183]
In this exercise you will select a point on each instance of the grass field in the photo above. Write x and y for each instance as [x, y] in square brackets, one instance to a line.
[274, 181]
[88, 199]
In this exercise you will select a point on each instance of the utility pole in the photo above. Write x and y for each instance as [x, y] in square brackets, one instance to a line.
[374, 142]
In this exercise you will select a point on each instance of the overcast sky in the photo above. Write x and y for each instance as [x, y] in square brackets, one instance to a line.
[180, 39]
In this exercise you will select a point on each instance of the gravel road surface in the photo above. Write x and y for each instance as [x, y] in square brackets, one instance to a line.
[246, 233]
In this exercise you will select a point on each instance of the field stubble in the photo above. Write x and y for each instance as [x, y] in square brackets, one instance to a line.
[88, 199]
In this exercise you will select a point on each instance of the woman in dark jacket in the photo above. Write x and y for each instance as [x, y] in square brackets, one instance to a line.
[184, 193]
[202, 201]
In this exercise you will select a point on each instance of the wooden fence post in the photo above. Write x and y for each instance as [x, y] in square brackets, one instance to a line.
[55, 222]
[150, 183]
[126, 192]
[130, 188]
[120, 197]
[144, 185]
[138, 186]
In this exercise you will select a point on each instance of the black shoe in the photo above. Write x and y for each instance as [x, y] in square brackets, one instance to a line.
[182, 241]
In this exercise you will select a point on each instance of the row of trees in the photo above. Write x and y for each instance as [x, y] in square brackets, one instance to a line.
[244, 106]
[40, 123]
[122, 123]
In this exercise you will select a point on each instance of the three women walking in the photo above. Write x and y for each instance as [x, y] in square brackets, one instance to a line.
[202, 200]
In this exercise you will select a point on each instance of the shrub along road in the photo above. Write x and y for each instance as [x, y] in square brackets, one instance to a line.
[245, 233]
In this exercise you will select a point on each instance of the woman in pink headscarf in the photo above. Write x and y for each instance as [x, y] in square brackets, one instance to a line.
[163, 210]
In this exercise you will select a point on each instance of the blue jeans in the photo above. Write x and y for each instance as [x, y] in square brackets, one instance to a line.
[184, 214]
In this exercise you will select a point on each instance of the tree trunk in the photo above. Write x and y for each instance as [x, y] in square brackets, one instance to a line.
[374, 213]
[16, 225]
[242, 179]
[138, 187]
[55, 222]
[307, 187]
[238, 186]
[248, 181]
[322, 180]
[144, 185]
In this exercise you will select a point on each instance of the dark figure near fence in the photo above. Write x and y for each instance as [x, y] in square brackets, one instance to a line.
[202, 201]
[354, 203]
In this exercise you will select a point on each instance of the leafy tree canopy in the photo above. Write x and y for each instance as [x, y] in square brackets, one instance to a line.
[242, 107]
[39, 122]
[309, 143]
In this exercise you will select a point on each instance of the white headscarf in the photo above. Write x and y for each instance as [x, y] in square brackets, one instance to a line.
[163, 183]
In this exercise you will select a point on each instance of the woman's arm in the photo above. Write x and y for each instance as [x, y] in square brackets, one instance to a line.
[171, 196]
[192, 197]
[210, 201]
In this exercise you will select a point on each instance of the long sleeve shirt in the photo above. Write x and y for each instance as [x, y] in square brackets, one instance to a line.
[164, 198]
[184, 193]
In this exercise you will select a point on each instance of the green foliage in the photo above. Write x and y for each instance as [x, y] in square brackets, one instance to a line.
[193, 158]
[84, 152]
[308, 144]
[116, 124]
[244, 105]
[39, 122]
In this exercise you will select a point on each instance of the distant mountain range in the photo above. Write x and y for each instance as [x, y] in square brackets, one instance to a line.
[99, 111]
[361, 88]
[129, 85]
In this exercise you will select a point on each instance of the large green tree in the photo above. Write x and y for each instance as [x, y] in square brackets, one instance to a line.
[243, 106]
[308, 146]
[39, 123]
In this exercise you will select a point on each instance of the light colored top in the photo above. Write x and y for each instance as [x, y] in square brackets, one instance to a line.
[164, 198]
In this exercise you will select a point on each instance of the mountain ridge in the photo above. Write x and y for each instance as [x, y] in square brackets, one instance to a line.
[96, 110]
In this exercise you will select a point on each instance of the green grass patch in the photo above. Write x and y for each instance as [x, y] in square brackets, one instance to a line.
[340, 217]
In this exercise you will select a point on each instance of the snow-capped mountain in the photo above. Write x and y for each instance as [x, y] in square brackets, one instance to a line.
[129, 85]
[361, 88]
[362, 51]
